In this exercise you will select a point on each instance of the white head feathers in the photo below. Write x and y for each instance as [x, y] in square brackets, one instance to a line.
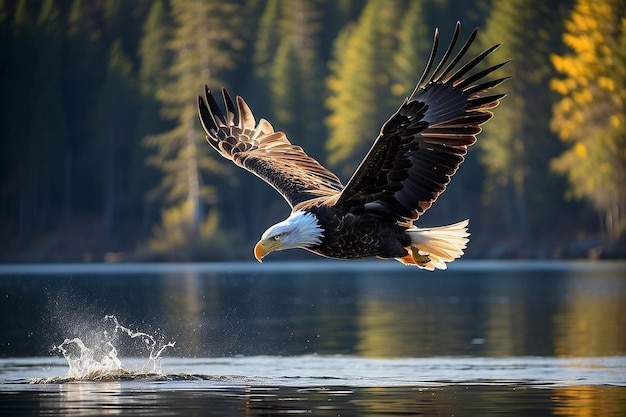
[299, 230]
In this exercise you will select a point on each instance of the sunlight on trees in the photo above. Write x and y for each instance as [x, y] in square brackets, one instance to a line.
[516, 146]
[204, 43]
[177, 226]
[290, 68]
[413, 48]
[360, 83]
[591, 115]
[100, 130]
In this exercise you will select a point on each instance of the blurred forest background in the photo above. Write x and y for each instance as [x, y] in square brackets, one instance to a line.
[102, 156]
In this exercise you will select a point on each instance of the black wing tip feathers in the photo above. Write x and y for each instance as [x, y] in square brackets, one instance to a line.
[213, 120]
[448, 71]
[211, 112]
[232, 115]
[206, 117]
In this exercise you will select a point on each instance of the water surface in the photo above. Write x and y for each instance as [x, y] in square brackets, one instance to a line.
[333, 338]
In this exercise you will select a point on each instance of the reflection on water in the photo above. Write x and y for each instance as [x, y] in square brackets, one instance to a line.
[394, 312]
[588, 401]
[89, 399]
[590, 321]
[112, 398]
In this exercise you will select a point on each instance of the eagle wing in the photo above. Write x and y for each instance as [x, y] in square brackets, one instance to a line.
[260, 150]
[422, 145]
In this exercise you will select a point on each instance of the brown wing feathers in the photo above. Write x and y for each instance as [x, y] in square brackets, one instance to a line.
[422, 145]
[260, 150]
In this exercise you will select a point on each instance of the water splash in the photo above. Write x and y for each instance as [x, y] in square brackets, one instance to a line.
[154, 348]
[89, 363]
[100, 360]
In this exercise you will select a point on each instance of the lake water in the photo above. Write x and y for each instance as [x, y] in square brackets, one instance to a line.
[323, 338]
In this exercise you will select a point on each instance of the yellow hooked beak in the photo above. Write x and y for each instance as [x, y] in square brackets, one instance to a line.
[264, 247]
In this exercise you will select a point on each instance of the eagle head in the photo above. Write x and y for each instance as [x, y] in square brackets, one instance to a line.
[300, 230]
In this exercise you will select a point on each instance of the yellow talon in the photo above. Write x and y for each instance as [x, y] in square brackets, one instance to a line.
[421, 260]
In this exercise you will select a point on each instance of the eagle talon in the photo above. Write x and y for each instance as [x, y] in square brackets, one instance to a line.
[421, 260]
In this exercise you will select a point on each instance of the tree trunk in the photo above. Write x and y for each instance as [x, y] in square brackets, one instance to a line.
[193, 179]
[109, 187]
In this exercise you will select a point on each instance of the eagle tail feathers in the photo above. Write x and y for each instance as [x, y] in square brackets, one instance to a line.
[434, 246]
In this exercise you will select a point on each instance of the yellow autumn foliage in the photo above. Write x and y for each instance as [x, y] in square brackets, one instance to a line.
[176, 229]
[591, 111]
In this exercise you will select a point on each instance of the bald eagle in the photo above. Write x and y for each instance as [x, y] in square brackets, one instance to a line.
[417, 151]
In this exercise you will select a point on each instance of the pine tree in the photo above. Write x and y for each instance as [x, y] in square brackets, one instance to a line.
[267, 39]
[360, 83]
[84, 66]
[5, 155]
[5, 34]
[413, 47]
[289, 71]
[204, 43]
[516, 145]
[591, 115]
[48, 132]
[117, 101]
[153, 52]
[154, 58]
[14, 118]
[32, 120]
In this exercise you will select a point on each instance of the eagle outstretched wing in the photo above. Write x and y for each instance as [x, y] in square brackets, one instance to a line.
[422, 145]
[260, 150]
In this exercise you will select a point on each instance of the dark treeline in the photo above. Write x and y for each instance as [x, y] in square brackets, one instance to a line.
[102, 155]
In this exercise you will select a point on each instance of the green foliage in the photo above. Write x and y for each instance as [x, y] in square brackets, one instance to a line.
[153, 52]
[288, 69]
[177, 229]
[98, 120]
[591, 115]
[413, 47]
[359, 79]
[154, 57]
[266, 39]
[516, 150]
[203, 43]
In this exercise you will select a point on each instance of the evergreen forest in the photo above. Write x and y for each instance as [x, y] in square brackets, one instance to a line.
[102, 156]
